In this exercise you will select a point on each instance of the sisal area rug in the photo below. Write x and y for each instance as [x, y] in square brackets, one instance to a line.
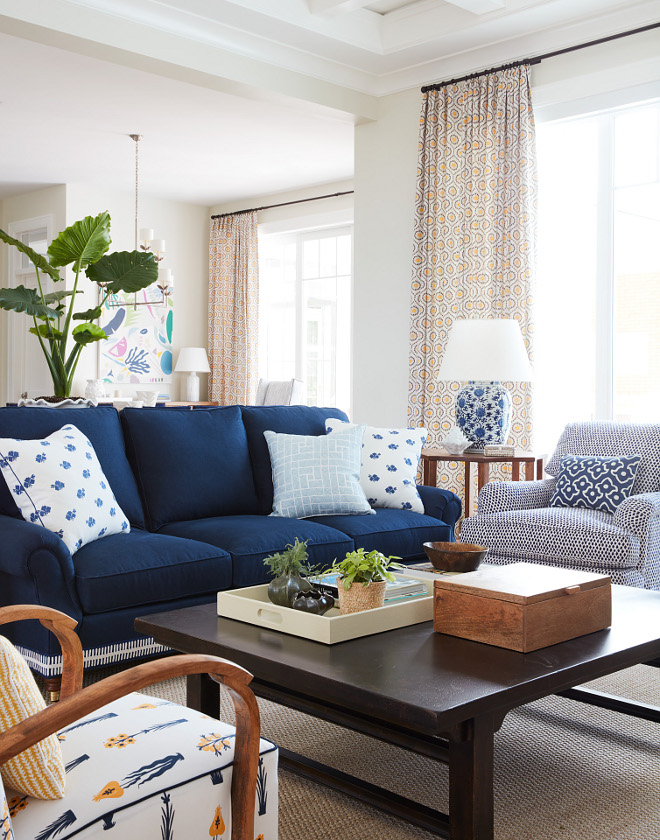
[563, 771]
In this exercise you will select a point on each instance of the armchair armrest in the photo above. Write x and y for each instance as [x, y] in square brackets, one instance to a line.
[80, 703]
[641, 515]
[441, 504]
[634, 513]
[499, 496]
[39, 567]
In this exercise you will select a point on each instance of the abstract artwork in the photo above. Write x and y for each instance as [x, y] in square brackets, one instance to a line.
[138, 347]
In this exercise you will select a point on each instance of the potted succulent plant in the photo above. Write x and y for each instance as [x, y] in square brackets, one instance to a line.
[362, 579]
[84, 247]
[288, 568]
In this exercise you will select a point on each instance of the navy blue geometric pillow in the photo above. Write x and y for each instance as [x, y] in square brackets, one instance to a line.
[595, 482]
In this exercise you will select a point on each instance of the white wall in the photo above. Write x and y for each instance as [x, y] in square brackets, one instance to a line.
[385, 172]
[48, 201]
[385, 176]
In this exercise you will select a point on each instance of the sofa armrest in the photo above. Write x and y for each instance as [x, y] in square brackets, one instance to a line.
[499, 496]
[441, 504]
[36, 567]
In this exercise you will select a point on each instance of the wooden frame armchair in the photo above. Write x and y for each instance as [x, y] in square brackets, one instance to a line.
[76, 702]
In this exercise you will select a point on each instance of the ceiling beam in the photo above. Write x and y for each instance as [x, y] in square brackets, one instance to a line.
[478, 7]
[330, 8]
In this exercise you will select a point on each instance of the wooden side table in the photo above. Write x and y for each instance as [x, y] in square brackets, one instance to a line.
[430, 457]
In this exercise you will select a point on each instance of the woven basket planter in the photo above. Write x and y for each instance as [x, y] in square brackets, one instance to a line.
[359, 597]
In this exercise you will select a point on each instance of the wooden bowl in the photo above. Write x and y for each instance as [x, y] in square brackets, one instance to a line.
[455, 557]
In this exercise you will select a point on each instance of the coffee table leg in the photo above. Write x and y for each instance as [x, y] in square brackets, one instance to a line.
[203, 694]
[471, 780]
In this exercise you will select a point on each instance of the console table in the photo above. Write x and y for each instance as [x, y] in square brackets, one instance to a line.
[533, 468]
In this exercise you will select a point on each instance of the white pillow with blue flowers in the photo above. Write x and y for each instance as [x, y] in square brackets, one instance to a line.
[390, 459]
[58, 483]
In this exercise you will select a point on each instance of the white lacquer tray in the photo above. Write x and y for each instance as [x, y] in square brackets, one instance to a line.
[251, 605]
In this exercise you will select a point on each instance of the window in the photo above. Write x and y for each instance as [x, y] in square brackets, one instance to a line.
[305, 312]
[597, 338]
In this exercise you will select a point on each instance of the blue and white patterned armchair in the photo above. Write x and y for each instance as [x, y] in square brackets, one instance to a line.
[516, 523]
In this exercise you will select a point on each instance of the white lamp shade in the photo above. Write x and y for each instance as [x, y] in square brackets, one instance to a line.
[158, 245]
[192, 359]
[146, 234]
[488, 350]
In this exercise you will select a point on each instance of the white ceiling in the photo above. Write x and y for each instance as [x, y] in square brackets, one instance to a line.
[240, 98]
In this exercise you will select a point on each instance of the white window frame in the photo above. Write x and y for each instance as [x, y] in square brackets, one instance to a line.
[300, 235]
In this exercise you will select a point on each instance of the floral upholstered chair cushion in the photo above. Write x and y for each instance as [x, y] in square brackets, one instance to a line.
[142, 767]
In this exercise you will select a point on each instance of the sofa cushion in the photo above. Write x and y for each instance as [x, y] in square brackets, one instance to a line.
[594, 482]
[141, 568]
[58, 484]
[570, 536]
[289, 419]
[251, 538]
[396, 533]
[100, 425]
[189, 464]
[317, 475]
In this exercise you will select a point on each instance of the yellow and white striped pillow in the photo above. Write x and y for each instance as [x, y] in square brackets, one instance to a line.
[39, 770]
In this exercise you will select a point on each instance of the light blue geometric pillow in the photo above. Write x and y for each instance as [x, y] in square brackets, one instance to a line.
[315, 475]
[58, 483]
[390, 459]
[594, 482]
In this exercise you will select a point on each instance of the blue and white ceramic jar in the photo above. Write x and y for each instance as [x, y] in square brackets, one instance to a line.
[483, 413]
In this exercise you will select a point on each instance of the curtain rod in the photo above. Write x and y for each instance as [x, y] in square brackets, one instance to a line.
[283, 204]
[539, 58]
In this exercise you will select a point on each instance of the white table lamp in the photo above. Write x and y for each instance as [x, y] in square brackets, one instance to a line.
[483, 352]
[192, 360]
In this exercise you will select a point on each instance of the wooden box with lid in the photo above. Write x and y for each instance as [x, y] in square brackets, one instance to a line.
[522, 606]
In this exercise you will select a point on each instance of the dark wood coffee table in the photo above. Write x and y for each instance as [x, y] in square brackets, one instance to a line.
[437, 695]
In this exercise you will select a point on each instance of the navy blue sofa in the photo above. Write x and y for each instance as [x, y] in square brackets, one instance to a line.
[197, 489]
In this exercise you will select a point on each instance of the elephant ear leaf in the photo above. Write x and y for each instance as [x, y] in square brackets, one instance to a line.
[38, 260]
[25, 300]
[124, 271]
[83, 243]
[88, 315]
[87, 333]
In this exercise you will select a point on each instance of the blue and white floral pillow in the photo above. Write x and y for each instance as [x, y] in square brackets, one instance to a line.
[390, 459]
[58, 483]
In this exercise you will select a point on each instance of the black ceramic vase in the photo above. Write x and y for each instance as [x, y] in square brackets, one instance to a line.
[283, 589]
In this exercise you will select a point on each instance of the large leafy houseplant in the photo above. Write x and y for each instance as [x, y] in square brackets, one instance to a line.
[83, 246]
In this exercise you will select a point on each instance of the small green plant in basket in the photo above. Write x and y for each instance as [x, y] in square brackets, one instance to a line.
[362, 579]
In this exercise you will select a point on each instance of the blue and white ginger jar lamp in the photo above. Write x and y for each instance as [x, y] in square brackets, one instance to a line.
[484, 352]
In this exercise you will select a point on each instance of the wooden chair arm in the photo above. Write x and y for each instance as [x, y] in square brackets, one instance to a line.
[235, 679]
[63, 626]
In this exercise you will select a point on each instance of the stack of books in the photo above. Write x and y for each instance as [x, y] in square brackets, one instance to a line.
[402, 587]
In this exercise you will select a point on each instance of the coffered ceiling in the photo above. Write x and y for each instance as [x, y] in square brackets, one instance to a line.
[238, 98]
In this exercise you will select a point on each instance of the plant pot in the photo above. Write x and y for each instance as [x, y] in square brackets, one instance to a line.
[283, 589]
[358, 597]
[65, 402]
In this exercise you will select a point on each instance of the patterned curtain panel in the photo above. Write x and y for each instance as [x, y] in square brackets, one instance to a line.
[474, 239]
[233, 309]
